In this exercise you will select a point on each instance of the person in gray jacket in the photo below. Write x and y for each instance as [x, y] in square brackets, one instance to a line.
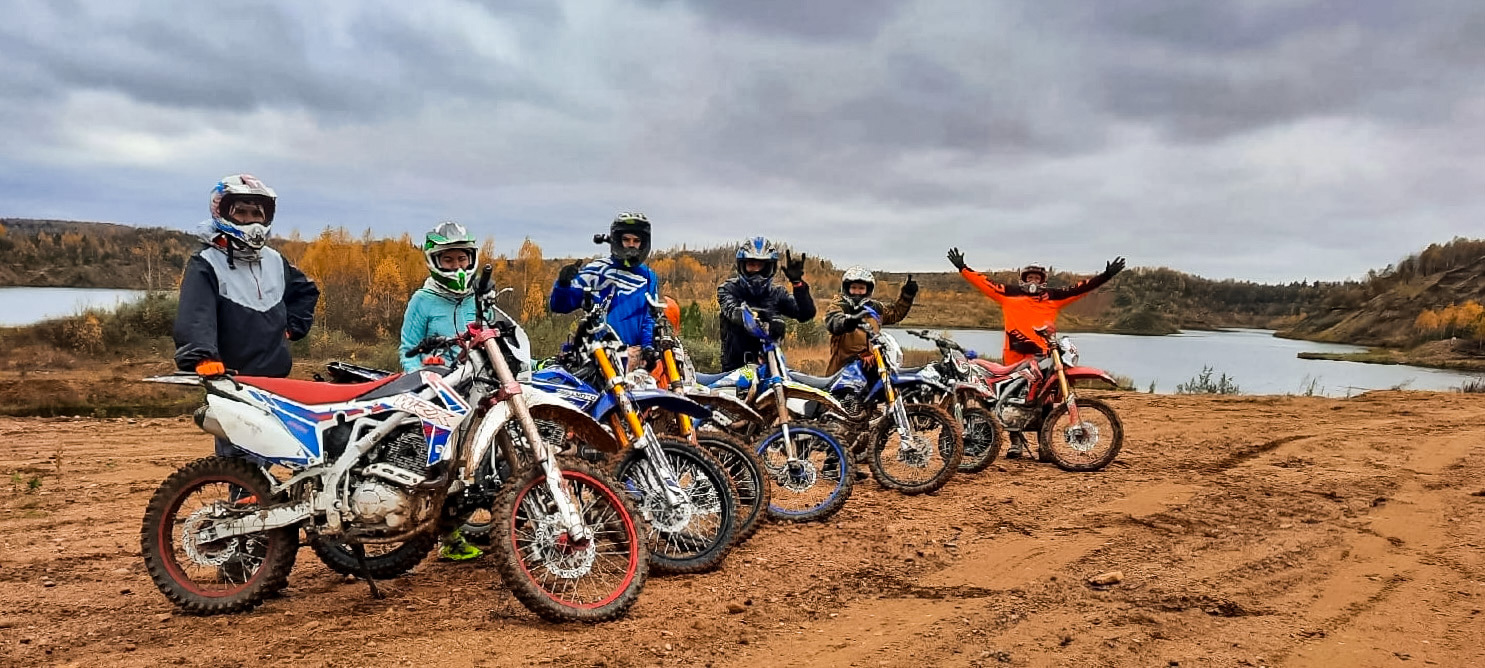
[241, 303]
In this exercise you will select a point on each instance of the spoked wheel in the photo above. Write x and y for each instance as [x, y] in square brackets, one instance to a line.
[924, 460]
[1088, 445]
[691, 537]
[208, 576]
[813, 487]
[384, 560]
[748, 480]
[555, 576]
[981, 440]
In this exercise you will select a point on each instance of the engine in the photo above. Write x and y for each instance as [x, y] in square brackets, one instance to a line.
[382, 492]
[377, 502]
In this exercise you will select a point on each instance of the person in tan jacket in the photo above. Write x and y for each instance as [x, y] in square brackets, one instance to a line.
[849, 310]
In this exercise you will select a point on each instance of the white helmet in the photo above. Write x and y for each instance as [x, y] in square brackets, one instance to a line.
[447, 236]
[857, 275]
[242, 188]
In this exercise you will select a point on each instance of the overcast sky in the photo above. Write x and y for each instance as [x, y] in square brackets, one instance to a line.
[1259, 139]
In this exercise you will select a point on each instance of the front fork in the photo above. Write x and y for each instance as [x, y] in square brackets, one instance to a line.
[1072, 401]
[894, 400]
[567, 511]
[655, 470]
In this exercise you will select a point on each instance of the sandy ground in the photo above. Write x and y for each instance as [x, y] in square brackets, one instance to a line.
[1249, 531]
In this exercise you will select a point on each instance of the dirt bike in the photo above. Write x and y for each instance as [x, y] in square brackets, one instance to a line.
[961, 389]
[674, 371]
[812, 473]
[381, 462]
[1036, 396]
[684, 493]
[912, 448]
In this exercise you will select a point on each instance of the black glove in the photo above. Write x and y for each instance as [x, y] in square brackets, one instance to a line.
[568, 272]
[794, 271]
[910, 288]
[957, 258]
[776, 329]
[649, 355]
[1114, 266]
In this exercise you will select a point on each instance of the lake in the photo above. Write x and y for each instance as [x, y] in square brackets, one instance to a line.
[1256, 360]
[24, 306]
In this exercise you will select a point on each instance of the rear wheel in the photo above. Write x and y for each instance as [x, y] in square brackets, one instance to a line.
[748, 480]
[562, 580]
[1089, 445]
[981, 440]
[925, 459]
[214, 576]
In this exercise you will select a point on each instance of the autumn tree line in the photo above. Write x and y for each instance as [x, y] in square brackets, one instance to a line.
[366, 280]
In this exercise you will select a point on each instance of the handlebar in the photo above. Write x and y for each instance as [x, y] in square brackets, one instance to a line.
[431, 344]
[940, 341]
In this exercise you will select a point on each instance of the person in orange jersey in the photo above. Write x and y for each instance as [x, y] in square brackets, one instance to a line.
[1027, 306]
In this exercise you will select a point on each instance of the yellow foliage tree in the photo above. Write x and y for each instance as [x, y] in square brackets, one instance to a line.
[532, 288]
[386, 299]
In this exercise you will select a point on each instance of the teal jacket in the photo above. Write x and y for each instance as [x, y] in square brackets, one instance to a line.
[432, 312]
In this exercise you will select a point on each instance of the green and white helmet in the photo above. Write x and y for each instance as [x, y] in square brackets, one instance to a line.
[447, 236]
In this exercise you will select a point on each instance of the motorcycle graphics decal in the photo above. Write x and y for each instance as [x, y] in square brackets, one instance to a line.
[307, 424]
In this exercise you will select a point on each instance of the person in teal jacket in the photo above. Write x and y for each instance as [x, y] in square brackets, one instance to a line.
[444, 306]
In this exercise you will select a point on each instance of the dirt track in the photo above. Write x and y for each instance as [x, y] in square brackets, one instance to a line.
[1250, 531]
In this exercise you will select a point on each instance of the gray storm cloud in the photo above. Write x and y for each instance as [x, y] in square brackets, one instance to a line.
[1263, 139]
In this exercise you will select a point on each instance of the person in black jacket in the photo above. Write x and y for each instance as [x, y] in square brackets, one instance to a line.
[757, 261]
[241, 303]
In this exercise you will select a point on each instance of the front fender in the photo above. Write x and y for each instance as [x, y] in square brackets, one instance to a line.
[553, 408]
[666, 400]
[1075, 373]
[974, 389]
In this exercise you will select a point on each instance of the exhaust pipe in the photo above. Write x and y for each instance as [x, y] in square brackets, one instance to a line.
[208, 423]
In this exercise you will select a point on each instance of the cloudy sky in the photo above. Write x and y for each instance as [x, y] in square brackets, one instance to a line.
[1260, 139]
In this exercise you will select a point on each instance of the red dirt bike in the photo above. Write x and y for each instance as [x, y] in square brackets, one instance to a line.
[1036, 396]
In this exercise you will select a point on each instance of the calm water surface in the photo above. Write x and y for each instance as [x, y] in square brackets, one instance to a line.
[24, 306]
[1257, 361]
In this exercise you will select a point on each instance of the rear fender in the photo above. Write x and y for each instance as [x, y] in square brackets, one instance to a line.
[730, 406]
[976, 390]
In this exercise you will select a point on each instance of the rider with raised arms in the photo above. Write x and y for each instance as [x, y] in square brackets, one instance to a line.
[757, 262]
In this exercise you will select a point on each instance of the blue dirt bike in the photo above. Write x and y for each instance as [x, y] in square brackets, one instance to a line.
[811, 471]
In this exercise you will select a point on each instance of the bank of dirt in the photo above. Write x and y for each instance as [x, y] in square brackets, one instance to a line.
[1249, 531]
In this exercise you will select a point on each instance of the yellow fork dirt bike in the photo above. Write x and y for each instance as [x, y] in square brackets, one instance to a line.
[683, 492]
[675, 372]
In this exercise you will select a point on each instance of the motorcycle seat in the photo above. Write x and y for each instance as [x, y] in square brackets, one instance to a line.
[312, 392]
[1000, 369]
[817, 382]
[710, 379]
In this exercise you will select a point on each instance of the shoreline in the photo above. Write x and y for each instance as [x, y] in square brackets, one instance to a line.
[1397, 357]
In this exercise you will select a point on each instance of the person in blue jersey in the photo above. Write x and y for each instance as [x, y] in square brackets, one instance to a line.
[624, 275]
[444, 306]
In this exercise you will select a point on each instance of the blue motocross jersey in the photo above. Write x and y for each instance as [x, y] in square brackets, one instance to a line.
[629, 313]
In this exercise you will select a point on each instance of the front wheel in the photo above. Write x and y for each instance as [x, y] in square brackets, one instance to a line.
[817, 484]
[694, 536]
[981, 440]
[924, 459]
[225, 575]
[1087, 446]
[562, 580]
[748, 480]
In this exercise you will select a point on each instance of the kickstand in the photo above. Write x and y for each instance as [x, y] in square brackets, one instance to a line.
[360, 551]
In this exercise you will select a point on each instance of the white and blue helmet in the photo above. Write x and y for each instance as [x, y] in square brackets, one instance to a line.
[760, 250]
[242, 188]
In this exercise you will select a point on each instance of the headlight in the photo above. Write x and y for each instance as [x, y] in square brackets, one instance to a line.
[639, 379]
[891, 351]
[1069, 351]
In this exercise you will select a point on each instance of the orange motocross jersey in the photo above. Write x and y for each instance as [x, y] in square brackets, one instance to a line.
[1024, 312]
